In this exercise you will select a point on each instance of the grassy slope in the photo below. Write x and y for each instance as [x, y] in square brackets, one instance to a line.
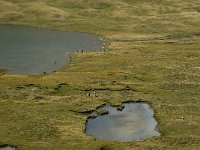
[154, 51]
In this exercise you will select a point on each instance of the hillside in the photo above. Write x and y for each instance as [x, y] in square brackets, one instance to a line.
[153, 55]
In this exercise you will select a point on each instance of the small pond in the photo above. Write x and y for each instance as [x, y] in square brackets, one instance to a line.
[32, 51]
[134, 122]
[7, 148]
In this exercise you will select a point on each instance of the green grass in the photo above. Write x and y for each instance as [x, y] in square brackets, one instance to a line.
[153, 56]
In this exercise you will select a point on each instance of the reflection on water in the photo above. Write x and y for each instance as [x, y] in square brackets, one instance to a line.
[25, 50]
[134, 123]
[7, 148]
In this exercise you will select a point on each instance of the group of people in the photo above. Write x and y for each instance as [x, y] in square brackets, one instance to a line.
[94, 94]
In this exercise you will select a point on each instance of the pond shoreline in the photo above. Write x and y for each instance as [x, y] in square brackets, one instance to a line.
[104, 112]
[68, 59]
[7, 147]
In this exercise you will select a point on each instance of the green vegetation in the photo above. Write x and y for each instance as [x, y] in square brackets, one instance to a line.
[154, 55]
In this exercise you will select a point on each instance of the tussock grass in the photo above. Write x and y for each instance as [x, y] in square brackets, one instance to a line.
[41, 10]
[153, 56]
[7, 6]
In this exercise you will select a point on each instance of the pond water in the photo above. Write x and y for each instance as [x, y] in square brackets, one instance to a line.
[134, 123]
[7, 148]
[26, 50]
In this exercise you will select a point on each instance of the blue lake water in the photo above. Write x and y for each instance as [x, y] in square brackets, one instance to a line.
[32, 51]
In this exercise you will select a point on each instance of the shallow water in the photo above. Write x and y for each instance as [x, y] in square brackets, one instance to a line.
[7, 148]
[26, 50]
[134, 123]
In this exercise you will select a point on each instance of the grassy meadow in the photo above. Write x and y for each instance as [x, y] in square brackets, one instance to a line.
[153, 55]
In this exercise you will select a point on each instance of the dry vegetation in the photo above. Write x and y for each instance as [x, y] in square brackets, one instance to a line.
[153, 55]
